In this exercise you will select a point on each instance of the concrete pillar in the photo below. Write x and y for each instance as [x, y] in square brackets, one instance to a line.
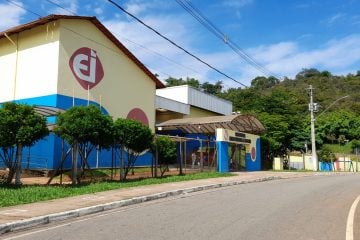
[223, 156]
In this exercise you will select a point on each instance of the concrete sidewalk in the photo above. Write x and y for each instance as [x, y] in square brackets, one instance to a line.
[30, 215]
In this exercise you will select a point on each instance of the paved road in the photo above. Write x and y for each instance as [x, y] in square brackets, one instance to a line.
[303, 208]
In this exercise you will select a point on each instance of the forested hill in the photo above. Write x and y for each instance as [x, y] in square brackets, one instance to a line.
[327, 89]
[282, 106]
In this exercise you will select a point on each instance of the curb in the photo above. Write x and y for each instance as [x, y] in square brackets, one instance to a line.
[55, 217]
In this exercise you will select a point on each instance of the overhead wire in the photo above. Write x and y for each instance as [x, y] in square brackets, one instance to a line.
[160, 55]
[58, 5]
[20, 6]
[175, 44]
[75, 32]
[153, 52]
[196, 13]
[99, 43]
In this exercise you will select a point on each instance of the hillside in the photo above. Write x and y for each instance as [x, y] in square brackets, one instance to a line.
[282, 106]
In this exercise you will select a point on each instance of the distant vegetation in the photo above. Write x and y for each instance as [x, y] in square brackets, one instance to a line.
[282, 106]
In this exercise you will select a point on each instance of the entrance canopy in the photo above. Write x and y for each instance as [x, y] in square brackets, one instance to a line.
[208, 125]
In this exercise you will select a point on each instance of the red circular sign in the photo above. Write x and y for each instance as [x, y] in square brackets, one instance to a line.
[139, 115]
[253, 153]
[86, 67]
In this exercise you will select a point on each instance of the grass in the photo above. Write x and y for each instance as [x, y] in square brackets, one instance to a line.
[11, 195]
[98, 173]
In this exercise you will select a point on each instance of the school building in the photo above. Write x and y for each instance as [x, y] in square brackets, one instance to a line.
[59, 61]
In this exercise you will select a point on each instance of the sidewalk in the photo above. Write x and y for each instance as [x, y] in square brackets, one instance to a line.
[30, 215]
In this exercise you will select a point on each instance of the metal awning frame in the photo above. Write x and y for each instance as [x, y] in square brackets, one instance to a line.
[208, 125]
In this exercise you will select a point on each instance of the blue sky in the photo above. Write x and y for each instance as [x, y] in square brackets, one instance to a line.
[283, 36]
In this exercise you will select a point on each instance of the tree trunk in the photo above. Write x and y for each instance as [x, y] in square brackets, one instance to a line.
[74, 164]
[10, 176]
[18, 164]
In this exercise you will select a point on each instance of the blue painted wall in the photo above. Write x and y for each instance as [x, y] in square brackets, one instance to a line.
[324, 166]
[254, 165]
[46, 153]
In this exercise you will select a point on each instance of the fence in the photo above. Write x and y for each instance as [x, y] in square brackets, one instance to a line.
[195, 154]
[342, 164]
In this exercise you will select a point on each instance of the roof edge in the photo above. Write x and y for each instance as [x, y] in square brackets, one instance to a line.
[98, 24]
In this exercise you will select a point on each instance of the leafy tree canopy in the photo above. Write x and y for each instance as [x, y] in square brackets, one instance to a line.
[132, 134]
[85, 124]
[20, 124]
[206, 86]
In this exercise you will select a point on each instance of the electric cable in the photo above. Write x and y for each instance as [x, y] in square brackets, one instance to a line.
[99, 43]
[19, 6]
[175, 44]
[196, 13]
[58, 5]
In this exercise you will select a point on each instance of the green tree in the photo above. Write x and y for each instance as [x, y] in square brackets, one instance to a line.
[333, 124]
[171, 82]
[166, 151]
[20, 126]
[84, 128]
[210, 88]
[134, 137]
[261, 83]
[326, 155]
[355, 145]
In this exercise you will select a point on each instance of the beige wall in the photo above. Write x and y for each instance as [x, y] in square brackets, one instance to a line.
[29, 63]
[124, 86]
[198, 112]
[165, 116]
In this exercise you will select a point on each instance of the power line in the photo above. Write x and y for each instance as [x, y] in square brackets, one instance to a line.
[173, 43]
[99, 43]
[58, 5]
[142, 46]
[160, 55]
[196, 13]
[20, 6]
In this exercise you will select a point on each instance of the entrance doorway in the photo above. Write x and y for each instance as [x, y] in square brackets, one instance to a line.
[237, 160]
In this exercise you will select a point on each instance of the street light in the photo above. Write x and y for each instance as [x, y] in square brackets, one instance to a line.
[313, 107]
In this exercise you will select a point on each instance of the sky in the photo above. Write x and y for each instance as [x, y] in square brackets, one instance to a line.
[282, 36]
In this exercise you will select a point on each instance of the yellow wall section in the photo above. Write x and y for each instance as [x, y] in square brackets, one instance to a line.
[198, 112]
[124, 86]
[7, 69]
[165, 116]
[30, 66]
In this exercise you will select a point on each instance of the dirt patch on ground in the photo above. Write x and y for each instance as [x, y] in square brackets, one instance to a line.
[42, 177]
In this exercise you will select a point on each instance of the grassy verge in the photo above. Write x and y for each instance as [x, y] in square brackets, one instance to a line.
[10, 195]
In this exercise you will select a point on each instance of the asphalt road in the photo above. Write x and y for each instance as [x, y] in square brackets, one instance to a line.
[302, 208]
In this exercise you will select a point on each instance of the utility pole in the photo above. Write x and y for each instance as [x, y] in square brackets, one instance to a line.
[312, 107]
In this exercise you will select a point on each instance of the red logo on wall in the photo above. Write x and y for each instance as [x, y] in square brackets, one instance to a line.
[86, 67]
[139, 115]
[253, 154]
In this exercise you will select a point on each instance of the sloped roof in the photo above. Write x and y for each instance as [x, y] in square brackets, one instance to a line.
[208, 125]
[98, 24]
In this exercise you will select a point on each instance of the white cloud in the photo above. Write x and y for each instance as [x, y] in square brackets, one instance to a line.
[136, 9]
[282, 58]
[237, 3]
[67, 7]
[98, 11]
[13, 15]
[287, 59]
[336, 18]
